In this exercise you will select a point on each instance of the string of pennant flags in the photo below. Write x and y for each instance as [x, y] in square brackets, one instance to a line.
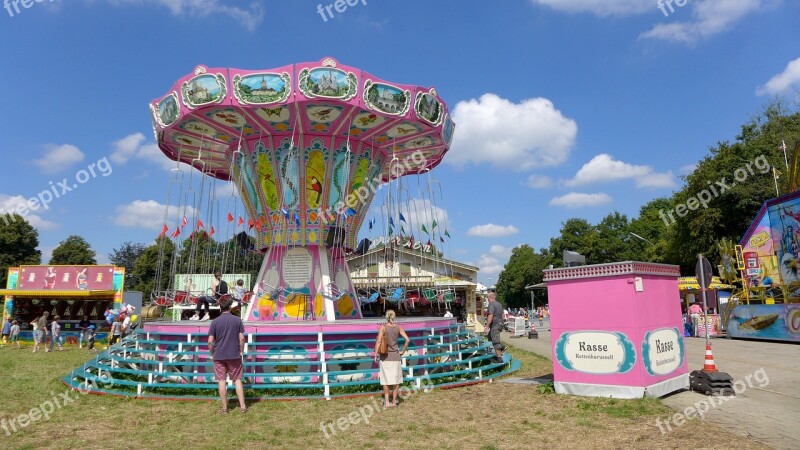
[251, 223]
[257, 224]
[403, 233]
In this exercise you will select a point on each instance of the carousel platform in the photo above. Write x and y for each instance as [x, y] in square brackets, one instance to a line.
[289, 360]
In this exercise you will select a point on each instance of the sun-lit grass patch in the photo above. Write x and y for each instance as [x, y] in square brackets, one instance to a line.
[493, 415]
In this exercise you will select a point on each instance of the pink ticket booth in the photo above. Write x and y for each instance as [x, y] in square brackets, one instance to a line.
[617, 330]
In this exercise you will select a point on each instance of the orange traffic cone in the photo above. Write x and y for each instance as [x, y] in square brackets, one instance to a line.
[709, 365]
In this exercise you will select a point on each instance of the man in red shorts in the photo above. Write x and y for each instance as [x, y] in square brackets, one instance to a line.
[226, 344]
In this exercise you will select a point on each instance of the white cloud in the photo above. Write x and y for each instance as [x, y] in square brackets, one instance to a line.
[784, 81]
[19, 204]
[489, 265]
[47, 253]
[493, 261]
[580, 200]
[687, 169]
[538, 182]
[599, 7]
[134, 146]
[604, 168]
[709, 17]
[500, 251]
[250, 16]
[419, 211]
[149, 214]
[58, 157]
[225, 189]
[520, 136]
[656, 180]
[492, 231]
[126, 148]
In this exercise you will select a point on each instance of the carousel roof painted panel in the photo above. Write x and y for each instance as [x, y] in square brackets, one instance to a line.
[213, 112]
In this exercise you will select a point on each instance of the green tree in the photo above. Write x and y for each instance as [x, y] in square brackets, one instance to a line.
[523, 268]
[651, 226]
[18, 242]
[126, 257]
[73, 250]
[736, 178]
[237, 260]
[611, 242]
[152, 269]
[577, 235]
[199, 254]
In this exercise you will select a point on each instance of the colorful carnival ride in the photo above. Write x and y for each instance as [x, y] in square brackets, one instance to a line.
[303, 148]
[765, 267]
[767, 303]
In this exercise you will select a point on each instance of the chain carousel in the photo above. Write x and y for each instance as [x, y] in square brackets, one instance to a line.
[304, 147]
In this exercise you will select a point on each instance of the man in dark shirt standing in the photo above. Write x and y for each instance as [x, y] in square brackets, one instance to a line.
[226, 344]
[494, 323]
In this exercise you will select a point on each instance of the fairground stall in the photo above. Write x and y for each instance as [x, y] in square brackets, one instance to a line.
[767, 306]
[413, 279]
[716, 301]
[617, 330]
[71, 292]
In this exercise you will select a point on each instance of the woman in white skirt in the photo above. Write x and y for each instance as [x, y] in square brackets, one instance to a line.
[391, 372]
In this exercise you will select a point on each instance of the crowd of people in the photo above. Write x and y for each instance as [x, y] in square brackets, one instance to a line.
[530, 314]
[540, 313]
[47, 332]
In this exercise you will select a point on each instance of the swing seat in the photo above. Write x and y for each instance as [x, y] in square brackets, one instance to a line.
[445, 297]
[158, 298]
[335, 293]
[179, 298]
[273, 292]
[247, 298]
[428, 297]
[398, 297]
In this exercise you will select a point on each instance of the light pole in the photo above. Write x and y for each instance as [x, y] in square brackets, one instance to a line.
[641, 238]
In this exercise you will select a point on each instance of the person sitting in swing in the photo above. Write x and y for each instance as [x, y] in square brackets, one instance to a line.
[218, 288]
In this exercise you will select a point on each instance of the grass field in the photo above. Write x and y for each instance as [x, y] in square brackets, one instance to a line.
[484, 416]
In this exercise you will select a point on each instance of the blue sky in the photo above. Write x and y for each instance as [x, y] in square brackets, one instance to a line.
[564, 108]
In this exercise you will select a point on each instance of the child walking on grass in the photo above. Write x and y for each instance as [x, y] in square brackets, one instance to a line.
[6, 331]
[15, 334]
[55, 331]
[90, 338]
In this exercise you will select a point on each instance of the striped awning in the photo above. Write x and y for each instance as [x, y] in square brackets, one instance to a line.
[47, 293]
[691, 284]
